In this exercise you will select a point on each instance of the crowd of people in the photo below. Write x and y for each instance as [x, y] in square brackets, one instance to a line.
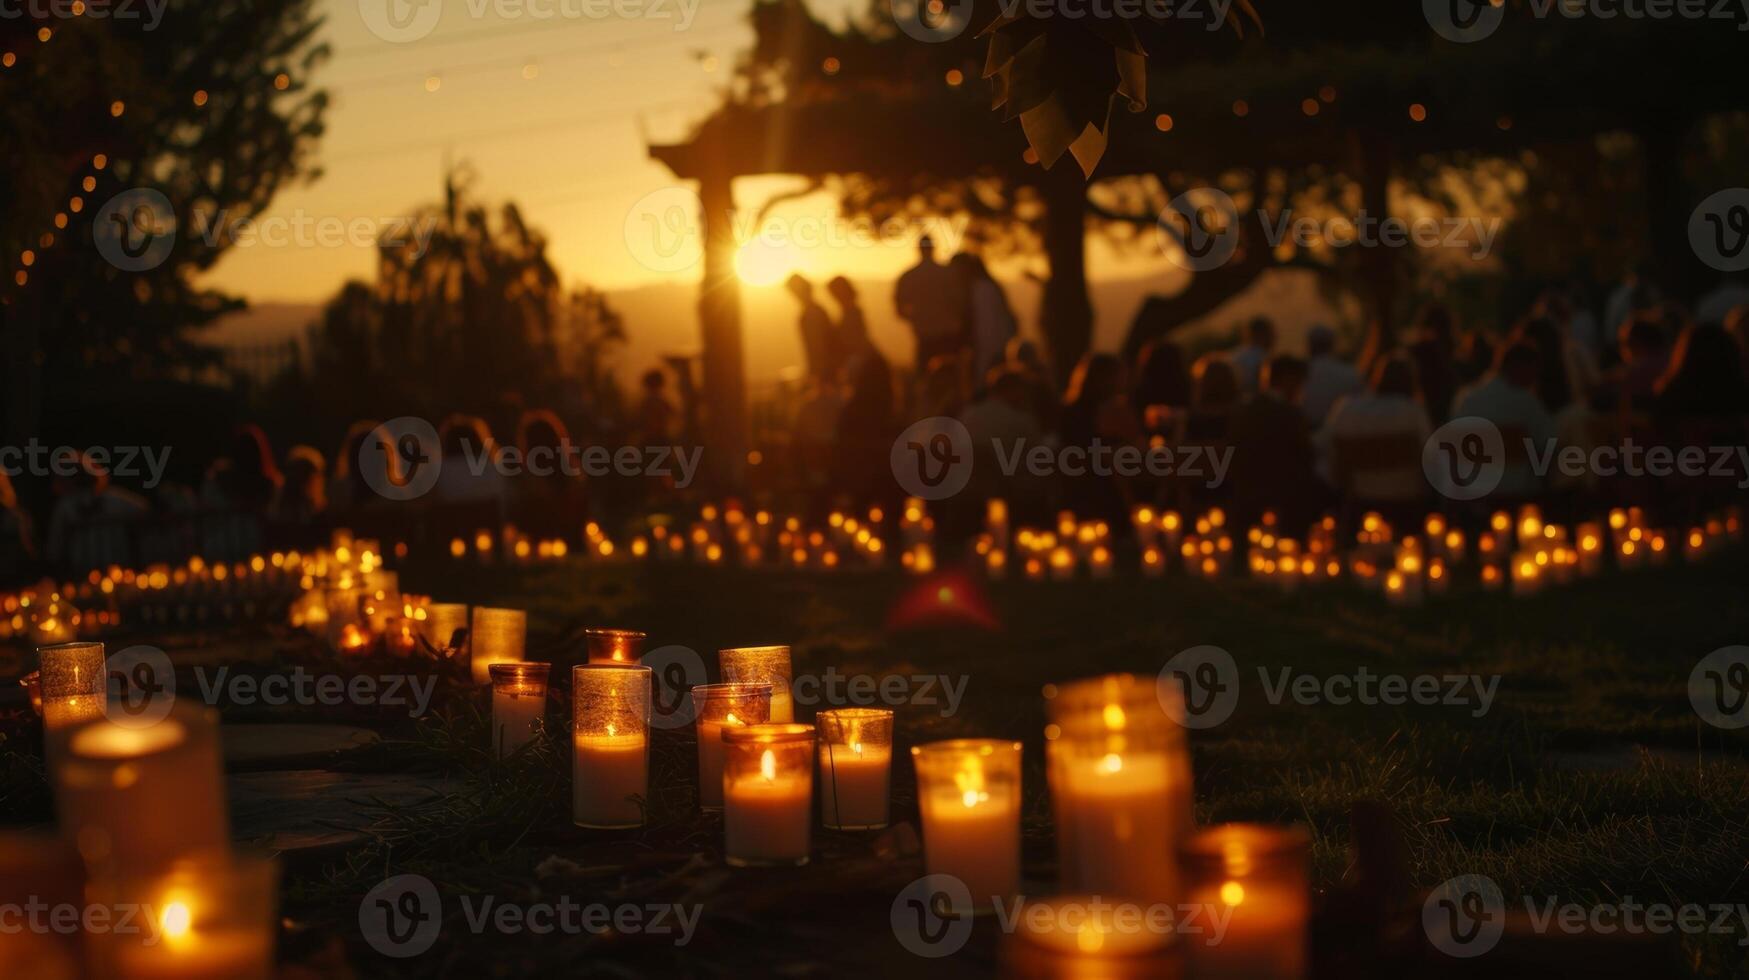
[1254, 428]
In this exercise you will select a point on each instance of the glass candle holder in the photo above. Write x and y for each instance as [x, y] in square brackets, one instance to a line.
[43, 868]
[1076, 937]
[615, 646]
[1257, 877]
[519, 704]
[498, 636]
[968, 791]
[342, 604]
[610, 736]
[443, 621]
[73, 682]
[856, 766]
[213, 917]
[763, 665]
[136, 796]
[768, 794]
[1120, 783]
[716, 707]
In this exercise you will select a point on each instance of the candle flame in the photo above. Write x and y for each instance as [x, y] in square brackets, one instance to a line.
[1111, 763]
[1232, 893]
[857, 748]
[1091, 938]
[1114, 717]
[174, 920]
[768, 766]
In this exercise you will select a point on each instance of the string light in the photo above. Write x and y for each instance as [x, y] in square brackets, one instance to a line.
[282, 81]
[117, 107]
[1241, 108]
[1418, 112]
[200, 97]
[1163, 122]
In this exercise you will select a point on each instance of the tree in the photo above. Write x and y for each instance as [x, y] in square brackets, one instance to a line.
[210, 106]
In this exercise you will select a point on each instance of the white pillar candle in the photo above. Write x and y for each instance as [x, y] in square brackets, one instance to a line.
[763, 665]
[498, 636]
[214, 920]
[719, 706]
[856, 762]
[1255, 879]
[968, 791]
[519, 704]
[1120, 775]
[768, 781]
[610, 743]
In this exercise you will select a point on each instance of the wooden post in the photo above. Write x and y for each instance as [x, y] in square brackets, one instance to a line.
[1067, 319]
[719, 314]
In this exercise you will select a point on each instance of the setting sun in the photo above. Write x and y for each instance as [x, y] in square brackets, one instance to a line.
[760, 263]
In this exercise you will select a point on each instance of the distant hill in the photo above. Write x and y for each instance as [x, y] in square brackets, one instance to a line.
[662, 319]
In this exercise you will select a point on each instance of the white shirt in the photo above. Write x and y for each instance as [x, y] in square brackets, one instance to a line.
[1247, 363]
[1369, 415]
[1329, 379]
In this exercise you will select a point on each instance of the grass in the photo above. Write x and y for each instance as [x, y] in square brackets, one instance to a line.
[1590, 779]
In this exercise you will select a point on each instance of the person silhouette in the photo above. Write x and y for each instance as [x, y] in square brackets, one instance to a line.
[816, 330]
[934, 300]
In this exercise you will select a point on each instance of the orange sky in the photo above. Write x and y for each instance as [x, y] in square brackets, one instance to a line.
[549, 103]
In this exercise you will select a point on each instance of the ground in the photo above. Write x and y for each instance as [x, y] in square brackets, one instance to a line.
[1590, 778]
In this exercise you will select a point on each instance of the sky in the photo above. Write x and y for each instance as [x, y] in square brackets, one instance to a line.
[550, 104]
[552, 112]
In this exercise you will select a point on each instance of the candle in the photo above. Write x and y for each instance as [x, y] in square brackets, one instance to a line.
[614, 646]
[768, 785]
[856, 763]
[72, 682]
[443, 622]
[498, 636]
[1120, 776]
[343, 611]
[1086, 937]
[610, 733]
[968, 791]
[1526, 574]
[47, 870]
[136, 796]
[212, 918]
[716, 707]
[763, 665]
[996, 521]
[1256, 877]
[1590, 540]
[519, 704]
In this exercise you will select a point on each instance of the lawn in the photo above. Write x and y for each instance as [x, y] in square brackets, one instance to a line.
[1589, 777]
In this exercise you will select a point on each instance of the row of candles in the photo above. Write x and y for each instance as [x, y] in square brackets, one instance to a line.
[1117, 763]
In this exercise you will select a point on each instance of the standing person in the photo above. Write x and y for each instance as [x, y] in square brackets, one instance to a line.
[932, 298]
[1329, 378]
[1272, 461]
[816, 329]
[865, 421]
[1507, 397]
[850, 333]
[1369, 447]
[990, 316]
[1248, 358]
[1434, 352]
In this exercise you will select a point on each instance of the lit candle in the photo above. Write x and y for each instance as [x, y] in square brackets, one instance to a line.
[610, 742]
[763, 665]
[614, 646]
[215, 919]
[498, 636]
[1256, 878]
[519, 704]
[968, 791]
[139, 795]
[1120, 778]
[1085, 937]
[1589, 538]
[1526, 574]
[73, 678]
[856, 763]
[716, 707]
[443, 622]
[768, 784]
[996, 521]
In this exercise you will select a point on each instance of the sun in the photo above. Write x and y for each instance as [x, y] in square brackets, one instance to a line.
[759, 263]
